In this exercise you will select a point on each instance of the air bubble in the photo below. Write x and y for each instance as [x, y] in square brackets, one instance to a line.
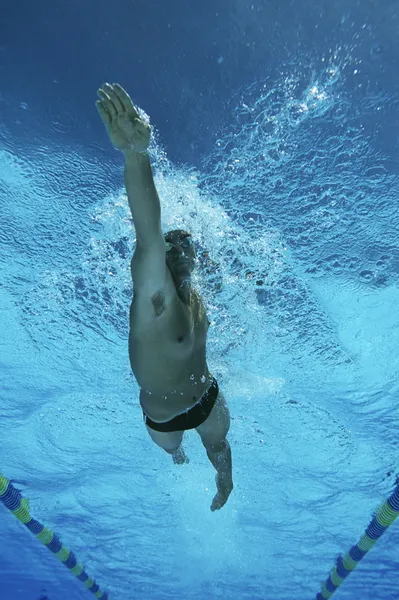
[366, 275]
[376, 52]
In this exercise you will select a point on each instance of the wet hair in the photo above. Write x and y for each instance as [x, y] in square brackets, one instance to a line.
[173, 234]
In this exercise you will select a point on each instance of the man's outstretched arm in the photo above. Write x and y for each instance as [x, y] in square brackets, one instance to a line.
[131, 134]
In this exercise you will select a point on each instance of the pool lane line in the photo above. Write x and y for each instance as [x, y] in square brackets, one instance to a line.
[384, 517]
[19, 507]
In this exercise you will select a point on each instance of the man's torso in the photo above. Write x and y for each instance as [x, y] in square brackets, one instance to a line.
[168, 358]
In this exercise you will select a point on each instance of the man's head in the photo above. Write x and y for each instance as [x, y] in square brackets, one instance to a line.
[180, 253]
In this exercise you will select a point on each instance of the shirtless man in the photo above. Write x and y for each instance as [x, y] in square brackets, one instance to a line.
[168, 322]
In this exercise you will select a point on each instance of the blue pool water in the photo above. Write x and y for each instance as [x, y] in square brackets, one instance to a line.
[276, 146]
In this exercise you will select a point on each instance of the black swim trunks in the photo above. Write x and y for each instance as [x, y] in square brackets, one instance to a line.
[191, 418]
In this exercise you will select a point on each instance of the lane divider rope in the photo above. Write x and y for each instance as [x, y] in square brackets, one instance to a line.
[384, 517]
[19, 507]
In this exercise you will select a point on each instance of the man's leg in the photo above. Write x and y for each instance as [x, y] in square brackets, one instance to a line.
[171, 443]
[213, 435]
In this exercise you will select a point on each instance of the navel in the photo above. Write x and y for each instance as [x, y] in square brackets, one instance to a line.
[180, 339]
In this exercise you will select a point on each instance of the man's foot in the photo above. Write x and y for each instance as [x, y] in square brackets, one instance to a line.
[179, 457]
[224, 486]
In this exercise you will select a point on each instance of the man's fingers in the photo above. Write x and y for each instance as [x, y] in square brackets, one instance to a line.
[104, 114]
[107, 102]
[110, 91]
[125, 100]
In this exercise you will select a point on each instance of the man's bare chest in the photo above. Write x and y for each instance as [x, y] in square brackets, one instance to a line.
[176, 333]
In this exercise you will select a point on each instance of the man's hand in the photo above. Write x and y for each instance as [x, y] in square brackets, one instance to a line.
[125, 127]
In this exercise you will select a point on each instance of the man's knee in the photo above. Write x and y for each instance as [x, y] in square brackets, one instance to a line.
[168, 441]
[171, 450]
[215, 446]
[169, 445]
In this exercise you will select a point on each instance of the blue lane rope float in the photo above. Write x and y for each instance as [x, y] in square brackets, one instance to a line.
[19, 506]
[384, 517]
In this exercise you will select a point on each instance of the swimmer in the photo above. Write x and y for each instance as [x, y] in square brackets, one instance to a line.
[168, 321]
